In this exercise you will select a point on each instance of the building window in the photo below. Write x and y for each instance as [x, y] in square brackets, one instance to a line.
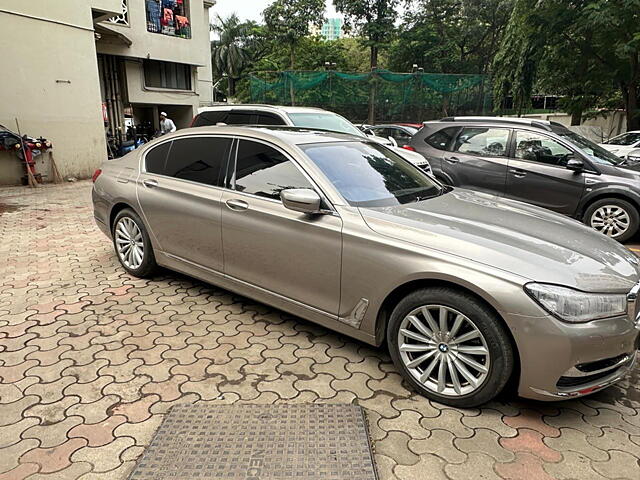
[168, 17]
[123, 18]
[176, 76]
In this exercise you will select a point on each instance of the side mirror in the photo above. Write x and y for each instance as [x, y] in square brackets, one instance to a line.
[575, 164]
[302, 200]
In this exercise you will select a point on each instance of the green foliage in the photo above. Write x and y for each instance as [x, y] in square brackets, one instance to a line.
[584, 49]
[372, 20]
[452, 36]
[288, 21]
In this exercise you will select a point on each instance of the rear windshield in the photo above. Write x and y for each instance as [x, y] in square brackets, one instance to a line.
[324, 121]
[205, 119]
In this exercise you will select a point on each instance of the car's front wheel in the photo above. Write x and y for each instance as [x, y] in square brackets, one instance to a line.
[450, 347]
[614, 217]
[132, 244]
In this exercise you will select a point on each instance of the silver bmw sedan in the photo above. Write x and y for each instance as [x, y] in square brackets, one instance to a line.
[468, 291]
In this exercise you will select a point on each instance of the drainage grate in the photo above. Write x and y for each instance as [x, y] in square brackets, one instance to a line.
[251, 442]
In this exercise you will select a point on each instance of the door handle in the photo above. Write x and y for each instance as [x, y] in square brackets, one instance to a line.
[518, 172]
[452, 159]
[237, 205]
[150, 183]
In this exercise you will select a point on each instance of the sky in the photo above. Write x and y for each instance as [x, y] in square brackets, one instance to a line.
[252, 9]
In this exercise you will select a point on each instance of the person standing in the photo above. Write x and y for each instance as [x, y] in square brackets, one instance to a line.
[166, 124]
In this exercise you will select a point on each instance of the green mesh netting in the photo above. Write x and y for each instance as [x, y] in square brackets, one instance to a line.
[396, 96]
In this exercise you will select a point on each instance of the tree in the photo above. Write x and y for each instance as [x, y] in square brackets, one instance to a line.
[596, 44]
[288, 21]
[374, 21]
[234, 49]
[451, 36]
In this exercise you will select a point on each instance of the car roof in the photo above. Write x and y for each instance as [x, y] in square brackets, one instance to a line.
[502, 121]
[262, 107]
[279, 134]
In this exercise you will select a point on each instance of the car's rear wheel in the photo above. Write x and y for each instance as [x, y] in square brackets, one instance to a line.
[132, 244]
[450, 347]
[614, 217]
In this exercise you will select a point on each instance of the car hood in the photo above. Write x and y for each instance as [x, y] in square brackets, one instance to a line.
[522, 239]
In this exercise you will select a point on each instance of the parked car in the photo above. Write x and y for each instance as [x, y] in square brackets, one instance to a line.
[401, 134]
[626, 146]
[469, 291]
[315, 118]
[537, 162]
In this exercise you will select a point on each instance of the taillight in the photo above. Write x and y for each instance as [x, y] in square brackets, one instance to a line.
[96, 174]
[409, 147]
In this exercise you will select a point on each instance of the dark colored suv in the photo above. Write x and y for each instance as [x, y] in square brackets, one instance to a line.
[538, 162]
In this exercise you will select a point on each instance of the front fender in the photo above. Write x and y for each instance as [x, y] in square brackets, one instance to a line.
[616, 191]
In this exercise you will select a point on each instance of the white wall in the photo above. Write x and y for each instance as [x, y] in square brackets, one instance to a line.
[51, 81]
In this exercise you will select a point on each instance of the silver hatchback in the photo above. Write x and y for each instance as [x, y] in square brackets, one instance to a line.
[468, 291]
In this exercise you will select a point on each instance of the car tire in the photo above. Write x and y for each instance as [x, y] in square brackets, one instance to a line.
[137, 255]
[472, 386]
[619, 211]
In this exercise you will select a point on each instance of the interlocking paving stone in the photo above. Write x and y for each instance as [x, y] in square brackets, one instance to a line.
[86, 349]
[261, 441]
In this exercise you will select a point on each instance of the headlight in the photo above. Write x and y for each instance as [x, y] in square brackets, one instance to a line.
[574, 306]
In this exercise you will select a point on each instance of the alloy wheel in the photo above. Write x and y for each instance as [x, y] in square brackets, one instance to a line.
[611, 220]
[443, 350]
[129, 243]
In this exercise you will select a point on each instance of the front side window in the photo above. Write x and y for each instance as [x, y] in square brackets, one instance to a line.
[595, 152]
[482, 141]
[370, 175]
[264, 171]
[197, 159]
[442, 138]
[626, 139]
[541, 149]
[324, 121]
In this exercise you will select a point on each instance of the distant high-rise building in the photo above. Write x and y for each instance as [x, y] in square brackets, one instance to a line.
[332, 29]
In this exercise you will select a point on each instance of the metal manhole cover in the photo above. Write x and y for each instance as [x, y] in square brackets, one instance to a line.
[251, 442]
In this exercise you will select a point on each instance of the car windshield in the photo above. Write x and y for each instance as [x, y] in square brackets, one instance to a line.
[594, 151]
[625, 139]
[370, 175]
[324, 121]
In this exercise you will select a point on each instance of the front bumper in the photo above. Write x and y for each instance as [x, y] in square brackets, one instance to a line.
[561, 360]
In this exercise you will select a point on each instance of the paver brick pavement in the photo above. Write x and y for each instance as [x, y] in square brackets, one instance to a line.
[91, 360]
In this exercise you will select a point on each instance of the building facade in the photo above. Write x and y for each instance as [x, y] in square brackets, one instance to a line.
[80, 71]
[332, 29]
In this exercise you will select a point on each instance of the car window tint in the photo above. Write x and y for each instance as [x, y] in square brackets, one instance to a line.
[487, 142]
[156, 158]
[210, 118]
[442, 138]
[540, 148]
[264, 171]
[269, 119]
[198, 159]
[240, 117]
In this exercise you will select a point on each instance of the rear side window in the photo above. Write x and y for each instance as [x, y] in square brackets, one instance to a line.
[157, 157]
[210, 118]
[198, 159]
[486, 142]
[240, 117]
[269, 119]
[263, 171]
[442, 138]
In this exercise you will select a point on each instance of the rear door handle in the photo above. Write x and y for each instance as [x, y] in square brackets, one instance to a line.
[150, 183]
[452, 159]
[518, 172]
[237, 205]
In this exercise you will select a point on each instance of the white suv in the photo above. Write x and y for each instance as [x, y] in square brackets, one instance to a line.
[305, 117]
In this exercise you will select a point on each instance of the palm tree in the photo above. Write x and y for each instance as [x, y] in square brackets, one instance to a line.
[230, 54]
